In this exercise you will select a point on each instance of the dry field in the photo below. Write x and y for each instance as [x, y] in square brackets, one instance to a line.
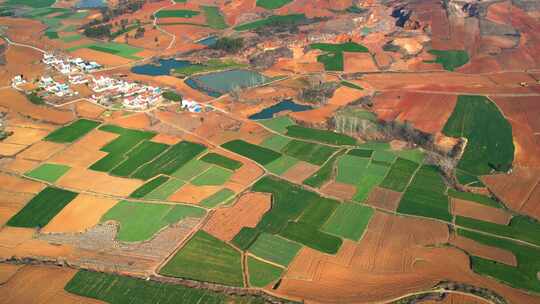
[18, 104]
[85, 151]
[384, 198]
[478, 211]
[488, 252]
[93, 181]
[299, 172]
[339, 190]
[191, 194]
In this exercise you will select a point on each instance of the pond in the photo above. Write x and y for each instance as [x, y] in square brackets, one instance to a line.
[208, 41]
[286, 105]
[163, 67]
[219, 83]
[90, 4]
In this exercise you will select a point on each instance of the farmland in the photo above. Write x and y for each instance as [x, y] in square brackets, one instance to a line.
[349, 221]
[48, 172]
[73, 131]
[400, 174]
[322, 136]
[450, 59]
[259, 154]
[176, 14]
[149, 186]
[324, 173]
[220, 160]
[272, 4]
[333, 58]
[274, 20]
[261, 273]
[275, 249]
[221, 263]
[118, 49]
[214, 18]
[312, 153]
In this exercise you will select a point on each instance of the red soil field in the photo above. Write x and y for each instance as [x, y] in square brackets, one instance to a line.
[225, 223]
[384, 198]
[88, 180]
[191, 194]
[132, 121]
[7, 271]
[339, 190]
[318, 116]
[11, 203]
[479, 211]
[487, 252]
[21, 60]
[85, 151]
[299, 172]
[42, 150]
[166, 139]
[18, 165]
[358, 62]
[105, 59]
[454, 298]
[89, 110]
[17, 103]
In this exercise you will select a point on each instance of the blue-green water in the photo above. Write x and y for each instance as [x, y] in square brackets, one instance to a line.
[209, 41]
[90, 4]
[163, 67]
[219, 83]
[286, 105]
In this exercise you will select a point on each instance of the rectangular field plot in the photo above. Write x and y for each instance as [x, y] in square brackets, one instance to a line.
[275, 249]
[272, 4]
[42, 208]
[312, 153]
[148, 187]
[262, 274]
[312, 237]
[415, 155]
[214, 17]
[361, 152]
[371, 177]
[214, 176]
[111, 288]
[474, 197]
[156, 216]
[400, 175]
[165, 190]
[278, 124]
[282, 164]
[176, 14]
[118, 49]
[425, 195]
[191, 169]
[275, 142]
[170, 161]
[259, 154]
[318, 212]
[222, 161]
[350, 169]
[48, 172]
[386, 157]
[208, 259]
[138, 156]
[324, 173]
[349, 221]
[323, 136]
[73, 131]
[217, 198]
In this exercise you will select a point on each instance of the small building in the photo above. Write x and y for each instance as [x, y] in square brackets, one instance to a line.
[191, 106]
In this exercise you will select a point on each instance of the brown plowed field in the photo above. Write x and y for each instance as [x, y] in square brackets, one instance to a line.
[87, 109]
[105, 59]
[358, 62]
[24, 136]
[83, 212]
[18, 184]
[247, 211]
[345, 95]
[318, 116]
[17, 103]
[47, 285]
[19, 165]
[133, 121]
[191, 194]
[339, 190]
[488, 252]
[384, 198]
[93, 181]
[454, 298]
[299, 172]
[42, 150]
[11, 203]
[9, 150]
[7, 271]
[166, 139]
[20, 60]
[85, 151]
[480, 212]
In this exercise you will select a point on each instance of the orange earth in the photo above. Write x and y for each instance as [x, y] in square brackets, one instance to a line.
[299, 172]
[339, 190]
[384, 198]
[191, 194]
[94, 181]
[487, 252]
[17, 103]
[42, 150]
[479, 211]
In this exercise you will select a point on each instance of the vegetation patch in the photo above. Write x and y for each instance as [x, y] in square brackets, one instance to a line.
[369, 179]
[48, 172]
[324, 173]
[31, 3]
[214, 18]
[490, 145]
[176, 14]
[276, 142]
[217, 198]
[259, 154]
[172, 96]
[366, 153]
[71, 38]
[156, 217]
[138, 156]
[191, 169]
[349, 221]
[281, 165]
[323, 136]
[262, 274]
[208, 259]
[350, 169]
[279, 124]
[275, 20]
[222, 161]
[384, 156]
[148, 187]
[165, 190]
[272, 4]
[73, 131]
[474, 197]
[275, 249]
[119, 49]
[351, 85]
[312, 153]
[214, 176]
[400, 175]
[42, 208]
[450, 59]
[333, 58]
[312, 237]
[208, 66]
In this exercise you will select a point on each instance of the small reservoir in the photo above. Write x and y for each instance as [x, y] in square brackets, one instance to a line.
[285, 105]
[162, 67]
[90, 4]
[219, 83]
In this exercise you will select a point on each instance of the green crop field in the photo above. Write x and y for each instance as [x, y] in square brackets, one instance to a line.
[48, 172]
[71, 38]
[349, 221]
[171, 160]
[214, 176]
[519, 228]
[52, 34]
[259, 154]
[474, 197]
[384, 156]
[276, 20]
[245, 237]
[262, 274]
[276, 142]
[223, 161]
[115, 289]
[323, 136]
[208, 66]
[165, 190]
[318, 212]
[156, 216]
[275, 249]
[31, 3]
[490, 145]
[524, 276]
[369, 179]
[312, 153]
[365, 153]
[415, 155]
[176, 14]
[324, 173]
[350, 169]
[450, 59]
[278, 124]
[119, 49]
[149, 186]
[425, 196]
[214, 18]
[272, 4]
[138, 156]
[191, 169]
[206, 258]
[351, 85]
[312, 237]
[468, 179]
[281, 165]
[400, 175]
[42, 208]
[73, 131]
[217, 198]
[333, 59]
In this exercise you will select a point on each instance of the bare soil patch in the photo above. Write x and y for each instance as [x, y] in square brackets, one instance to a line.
[93, 181]
[11, 203]
[358, 62]
[192, 194]
[85, 152]
[300, 172]
[19, 165]
[42, 150]
[133, 121]
[340, 190]
[17, 103]
[384, 198]
[106, 59]
[7, 271]
[481, 212]
[166, 139]
[487, 252]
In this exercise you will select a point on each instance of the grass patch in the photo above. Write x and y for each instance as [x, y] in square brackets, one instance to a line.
[172, 96]
[278, 124]
[176, 14]
[275, 142]
[217, 198]
[384, 157]
[222, 161]
[262, 274]
[275, 249]
[351, 85]
[191, 169]
[349, 221]
[215, 176]
[369, 179]
[42, 208]
[165, 190]
[119, 49]
[73, 131]
[148, 187]
[323, 136]
[281, 165]
[324, 173]
[312, 237]
[350, 168]
[333, 58]
[400, 174]
[48, 172]
[71, 38]
[272, 4]
[474, 197]
[31, 3]
[138, 156]
[208, 66]
[490, 145]
[365, 153]
[214, 18]
[312, 153]
[451, 59]
[259, 154]
[275, 20]
[206, 258]
[156, 216]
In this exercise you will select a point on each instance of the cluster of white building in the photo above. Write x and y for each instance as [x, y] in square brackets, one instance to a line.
[134, 95]
[191, 106]
[68, 66]
[57, 88]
